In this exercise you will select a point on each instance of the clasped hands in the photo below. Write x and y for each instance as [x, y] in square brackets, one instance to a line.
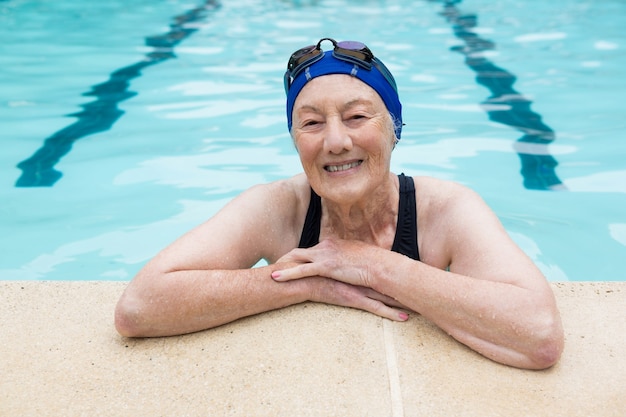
[340, 272]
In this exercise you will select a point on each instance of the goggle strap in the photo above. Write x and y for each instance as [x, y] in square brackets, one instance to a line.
[385, 72]
[365, 62]
[352, 60]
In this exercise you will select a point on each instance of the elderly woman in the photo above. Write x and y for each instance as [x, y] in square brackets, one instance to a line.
[351, 233]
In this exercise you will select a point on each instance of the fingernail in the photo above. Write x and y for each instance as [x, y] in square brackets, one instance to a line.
[276, 274]
[403, 316]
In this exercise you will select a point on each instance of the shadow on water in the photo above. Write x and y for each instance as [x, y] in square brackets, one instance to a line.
[101, 114]
[506, 105]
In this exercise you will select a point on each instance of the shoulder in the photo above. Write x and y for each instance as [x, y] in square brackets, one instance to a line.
[274, 211]
[462, 232]
[435, 194]
[432, 183]
[260, 223]
[280, 199]
[449, 214]
[285, 196]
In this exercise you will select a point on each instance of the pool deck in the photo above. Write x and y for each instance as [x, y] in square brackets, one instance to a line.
[61, 356]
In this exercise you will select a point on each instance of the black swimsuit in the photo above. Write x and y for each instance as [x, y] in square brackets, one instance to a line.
[405, 241]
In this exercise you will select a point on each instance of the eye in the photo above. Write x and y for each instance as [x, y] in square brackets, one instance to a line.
[310, 124]
[356, 118]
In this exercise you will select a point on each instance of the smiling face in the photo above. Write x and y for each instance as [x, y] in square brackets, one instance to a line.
[344, 136]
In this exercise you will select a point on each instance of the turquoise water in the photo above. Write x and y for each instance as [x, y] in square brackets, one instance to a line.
[132, 122]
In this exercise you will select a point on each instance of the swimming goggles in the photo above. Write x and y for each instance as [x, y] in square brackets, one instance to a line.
[350, 51]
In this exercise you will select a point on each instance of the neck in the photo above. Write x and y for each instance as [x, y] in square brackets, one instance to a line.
[371, 220]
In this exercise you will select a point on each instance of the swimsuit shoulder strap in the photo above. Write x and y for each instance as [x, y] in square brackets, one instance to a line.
[311, 229]
[405, 241]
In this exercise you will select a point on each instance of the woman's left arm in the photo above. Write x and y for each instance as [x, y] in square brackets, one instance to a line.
[492, 298]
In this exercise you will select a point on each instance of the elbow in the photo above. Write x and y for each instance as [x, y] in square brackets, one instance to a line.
[547, 354]
[124, 325]
[548, 347]
[127, 318]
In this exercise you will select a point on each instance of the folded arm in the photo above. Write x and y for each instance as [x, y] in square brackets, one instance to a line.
[474, 282]
[206, 279]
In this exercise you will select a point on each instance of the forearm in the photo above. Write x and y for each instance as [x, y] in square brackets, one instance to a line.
[187, 301]
[506, 323]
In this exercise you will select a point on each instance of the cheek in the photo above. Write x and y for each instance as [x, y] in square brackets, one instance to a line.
[306, 151]
[381, 145]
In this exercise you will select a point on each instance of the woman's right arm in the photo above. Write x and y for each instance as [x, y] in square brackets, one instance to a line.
[179, 302]
[204, 279]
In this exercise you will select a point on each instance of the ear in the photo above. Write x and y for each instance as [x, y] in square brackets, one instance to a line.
[392, 129]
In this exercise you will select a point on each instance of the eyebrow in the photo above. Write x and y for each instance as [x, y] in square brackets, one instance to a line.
[357, 102]
[308, 107]
[346, 106]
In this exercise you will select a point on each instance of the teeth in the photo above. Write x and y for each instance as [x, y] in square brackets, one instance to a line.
[335, 168]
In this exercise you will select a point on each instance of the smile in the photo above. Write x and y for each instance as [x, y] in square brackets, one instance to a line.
[344, 167]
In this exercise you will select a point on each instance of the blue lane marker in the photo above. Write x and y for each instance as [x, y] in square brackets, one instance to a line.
[101, 114]
[506, 105]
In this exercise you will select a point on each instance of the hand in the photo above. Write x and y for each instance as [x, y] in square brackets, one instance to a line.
[329, 291]
[347, 261]
[333, 271]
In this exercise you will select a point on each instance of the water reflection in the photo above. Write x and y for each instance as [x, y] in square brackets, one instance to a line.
[506, 105]
[100, 115]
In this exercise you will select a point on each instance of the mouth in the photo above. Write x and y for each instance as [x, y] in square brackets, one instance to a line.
[343, 167]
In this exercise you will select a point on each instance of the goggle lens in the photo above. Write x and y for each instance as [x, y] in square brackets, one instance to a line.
[301, 55]
[352, 51]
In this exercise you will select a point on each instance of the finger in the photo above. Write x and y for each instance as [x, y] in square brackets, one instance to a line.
[381, 309]
[352, 296]
[297, 255]
[295, 272]
[390, 301]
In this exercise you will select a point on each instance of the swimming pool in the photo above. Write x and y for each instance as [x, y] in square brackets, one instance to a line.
[124, 124]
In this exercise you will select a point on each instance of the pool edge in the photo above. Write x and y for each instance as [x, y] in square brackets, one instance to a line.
[61, 356]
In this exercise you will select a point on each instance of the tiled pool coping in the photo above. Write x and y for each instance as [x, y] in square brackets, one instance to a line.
[61, 356]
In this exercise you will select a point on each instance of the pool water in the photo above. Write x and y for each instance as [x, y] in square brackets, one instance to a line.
[125, 124]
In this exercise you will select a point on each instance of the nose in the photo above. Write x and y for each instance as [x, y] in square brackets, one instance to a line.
[336, 137]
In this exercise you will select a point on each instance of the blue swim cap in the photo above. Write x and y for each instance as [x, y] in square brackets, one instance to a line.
[373, 77]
